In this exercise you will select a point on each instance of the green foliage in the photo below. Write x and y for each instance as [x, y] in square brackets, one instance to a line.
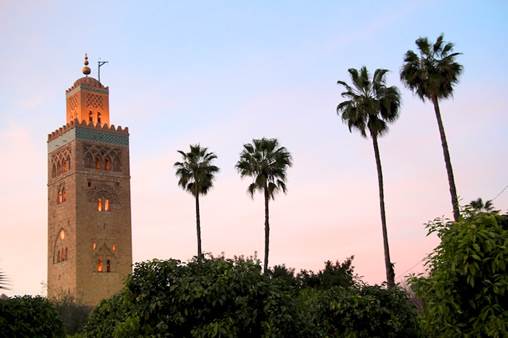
[196, 172]
[433, 72]
[29, 316]
[72, 314]
[113, 316]
[369, 104]
[466, 291]
[266, 162]
[334, 274]
[217, 297]
[367, 311]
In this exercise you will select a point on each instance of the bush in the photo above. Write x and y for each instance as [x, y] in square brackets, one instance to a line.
[72, 314]
[367, 311]
[29, 316]
[465, 293]
[220, 297]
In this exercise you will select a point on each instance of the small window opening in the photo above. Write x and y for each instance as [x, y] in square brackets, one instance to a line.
[99, 264]
[107, 206]
[90, 116]
[64, 195]
[89, 184]
[59, 197]
[94, 246]
[66, 252]
[113, 248]
[107, 164]
[108, 266]
[99, 204]
[62, 235]
[58, 257]
[98, 118]
[97, 163]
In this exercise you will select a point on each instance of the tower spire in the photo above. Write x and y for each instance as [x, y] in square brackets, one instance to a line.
[86, 70]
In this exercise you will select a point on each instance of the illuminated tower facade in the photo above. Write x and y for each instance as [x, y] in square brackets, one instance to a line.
[89, 207]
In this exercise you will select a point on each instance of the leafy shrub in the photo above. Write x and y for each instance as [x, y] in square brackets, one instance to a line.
[367, 311]
[466, 292]
[203, 298]
[29, 316]
[220, 297]
[72, 314]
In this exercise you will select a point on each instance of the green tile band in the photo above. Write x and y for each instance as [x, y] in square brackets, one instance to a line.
[98, 136]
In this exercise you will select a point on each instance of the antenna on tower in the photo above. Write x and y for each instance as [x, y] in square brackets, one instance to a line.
[100, 64]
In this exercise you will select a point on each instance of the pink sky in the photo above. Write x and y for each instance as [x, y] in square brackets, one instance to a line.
[222, 90]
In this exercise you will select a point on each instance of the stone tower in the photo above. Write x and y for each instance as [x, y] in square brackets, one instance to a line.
[89, 208]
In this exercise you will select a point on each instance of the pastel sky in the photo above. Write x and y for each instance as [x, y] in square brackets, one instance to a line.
[220, 73]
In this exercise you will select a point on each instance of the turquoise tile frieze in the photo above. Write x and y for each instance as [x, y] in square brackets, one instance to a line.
[99, 136]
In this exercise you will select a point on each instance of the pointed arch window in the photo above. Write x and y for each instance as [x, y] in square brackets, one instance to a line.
[90, 117]
[99, 118]
[99, 264]
[99, 204]
[107, 164]
[108, 265]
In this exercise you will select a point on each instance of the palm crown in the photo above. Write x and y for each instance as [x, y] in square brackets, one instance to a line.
[196, 171]
[434, 71]
[369, 104]
[266, 162]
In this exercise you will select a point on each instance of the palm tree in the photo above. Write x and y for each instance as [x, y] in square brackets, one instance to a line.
[369, 106]
[266, 162]
[432, 74]
[196, 174]
[3, 281]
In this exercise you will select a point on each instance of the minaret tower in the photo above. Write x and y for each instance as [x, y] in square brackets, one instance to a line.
[89, 208]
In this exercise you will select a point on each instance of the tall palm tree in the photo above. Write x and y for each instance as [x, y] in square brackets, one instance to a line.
[266, 162]
[196, 173]
[369, 106]
[432, 74]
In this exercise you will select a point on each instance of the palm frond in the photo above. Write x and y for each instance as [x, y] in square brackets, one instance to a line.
[196, 172]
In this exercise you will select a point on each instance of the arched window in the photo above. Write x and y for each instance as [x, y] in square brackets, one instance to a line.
[53, 170]
[108, 266]
[116, 162]
[99, 204]
[58, 257]
[98, 117]
[99, 264]
[67, 164]
[59, 197]
[88, 160]
[90, 116]
[107, 164]
[97, 163]
[64, 195]
[58, 168]
[107, 206]
[66, 252]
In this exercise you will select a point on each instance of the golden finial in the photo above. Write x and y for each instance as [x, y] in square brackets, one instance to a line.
[86, 70]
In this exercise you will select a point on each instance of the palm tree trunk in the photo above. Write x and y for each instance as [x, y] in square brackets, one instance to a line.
[448, 162]
[390, 274]
[267, 230]
[198, 226]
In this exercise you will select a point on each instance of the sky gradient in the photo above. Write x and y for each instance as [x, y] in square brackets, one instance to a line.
[222, 73]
